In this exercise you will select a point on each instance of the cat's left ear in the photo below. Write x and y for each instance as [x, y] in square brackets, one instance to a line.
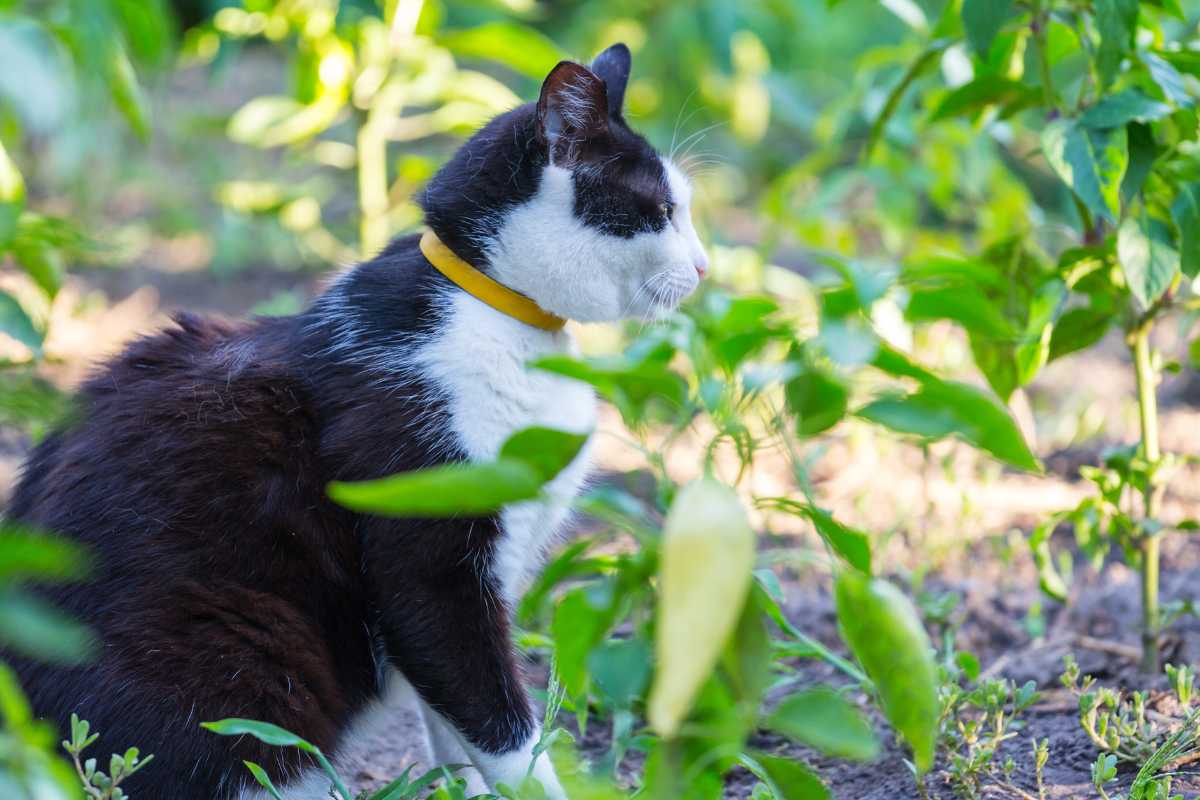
[572, 111]
[612, 66]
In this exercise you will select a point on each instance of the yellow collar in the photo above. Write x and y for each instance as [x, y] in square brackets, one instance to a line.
[495, 294]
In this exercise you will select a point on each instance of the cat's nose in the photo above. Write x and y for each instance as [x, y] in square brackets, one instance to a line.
[701, 264]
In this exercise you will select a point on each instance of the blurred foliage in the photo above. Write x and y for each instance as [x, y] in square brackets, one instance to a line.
[867, 172]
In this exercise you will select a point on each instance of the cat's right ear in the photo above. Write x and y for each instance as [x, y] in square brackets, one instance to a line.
[572, 111]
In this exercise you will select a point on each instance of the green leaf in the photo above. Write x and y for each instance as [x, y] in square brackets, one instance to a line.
[925, 61]
[12, 197]
[517, 46]
[965, 305]
[545, 450]
[1078, 329]
[985, 90]
[621, 670]
[943, 408]
[1143, 150]
[32, 627]
[1186, 214]
[42, 263]
[1168, 79]
[1049, 578]
[1116, 21]
[852, 545]
[1129, 105]
[818, 399]
[528, 459]
[581, 619]
[884, 632]
[1091, 161]
[982, 20]
[263, 779]
[263, 731]
[26, 554]
[634, 387]
[16, 323]
[1147, 257]
[826, 721]
[706, 563]
[790, 779]
[452, 490]
[127, 92]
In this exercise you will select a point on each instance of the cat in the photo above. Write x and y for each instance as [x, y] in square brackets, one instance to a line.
[227, 584]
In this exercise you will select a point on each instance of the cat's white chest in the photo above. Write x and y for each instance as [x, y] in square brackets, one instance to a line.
[478, 363]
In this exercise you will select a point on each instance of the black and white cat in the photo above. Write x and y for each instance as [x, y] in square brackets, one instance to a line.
[227, 584]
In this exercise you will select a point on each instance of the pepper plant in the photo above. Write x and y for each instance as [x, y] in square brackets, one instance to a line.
[1090, 107]
[674, 639]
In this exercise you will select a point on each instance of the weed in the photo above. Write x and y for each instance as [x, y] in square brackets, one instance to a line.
[98, 785]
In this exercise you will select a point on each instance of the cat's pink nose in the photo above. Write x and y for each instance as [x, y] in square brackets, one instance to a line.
[701, 265]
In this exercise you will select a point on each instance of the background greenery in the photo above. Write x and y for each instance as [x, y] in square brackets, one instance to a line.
[913, 209]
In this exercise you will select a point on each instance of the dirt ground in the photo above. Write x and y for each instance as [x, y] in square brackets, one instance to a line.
[947, 521]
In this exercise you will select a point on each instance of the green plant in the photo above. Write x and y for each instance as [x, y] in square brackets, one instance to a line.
[1099, 90]
[34, 629]
[405, 787]
[361, 83]
[975, 723]
[96, 783]
[88, 47]
[731, 378]
[1121, 726]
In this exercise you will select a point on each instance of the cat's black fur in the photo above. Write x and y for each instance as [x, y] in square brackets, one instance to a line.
[226, 584]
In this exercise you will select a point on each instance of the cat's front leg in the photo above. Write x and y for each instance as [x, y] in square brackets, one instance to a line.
[447, 631]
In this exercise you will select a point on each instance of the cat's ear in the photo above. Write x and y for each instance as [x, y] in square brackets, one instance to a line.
[572, 110]
[612, 66]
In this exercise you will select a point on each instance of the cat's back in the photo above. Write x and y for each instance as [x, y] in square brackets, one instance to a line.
[194, 441]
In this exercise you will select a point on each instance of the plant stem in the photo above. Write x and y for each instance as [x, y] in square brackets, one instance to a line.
[1041, 18]
[372, 187]
[1147, 381]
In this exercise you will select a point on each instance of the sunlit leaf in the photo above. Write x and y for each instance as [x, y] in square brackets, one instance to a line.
[546, 450]
[127, 91]
[1129, 105]
[1089, 160]
[452, 490]
[27, 554]
[263, 779]
[263, 731]
[825, 720]
[1148, 257]
[706, 567]
[12, 197]
[884, 632]
[520, 47]
[16, 323]
[1168, 79]
[943, 408]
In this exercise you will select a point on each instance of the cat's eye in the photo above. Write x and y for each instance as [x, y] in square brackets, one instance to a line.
[667, 209]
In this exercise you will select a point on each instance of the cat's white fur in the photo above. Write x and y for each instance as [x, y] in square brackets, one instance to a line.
[477, 365]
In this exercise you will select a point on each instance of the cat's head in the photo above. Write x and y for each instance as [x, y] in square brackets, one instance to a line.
[562, 201]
